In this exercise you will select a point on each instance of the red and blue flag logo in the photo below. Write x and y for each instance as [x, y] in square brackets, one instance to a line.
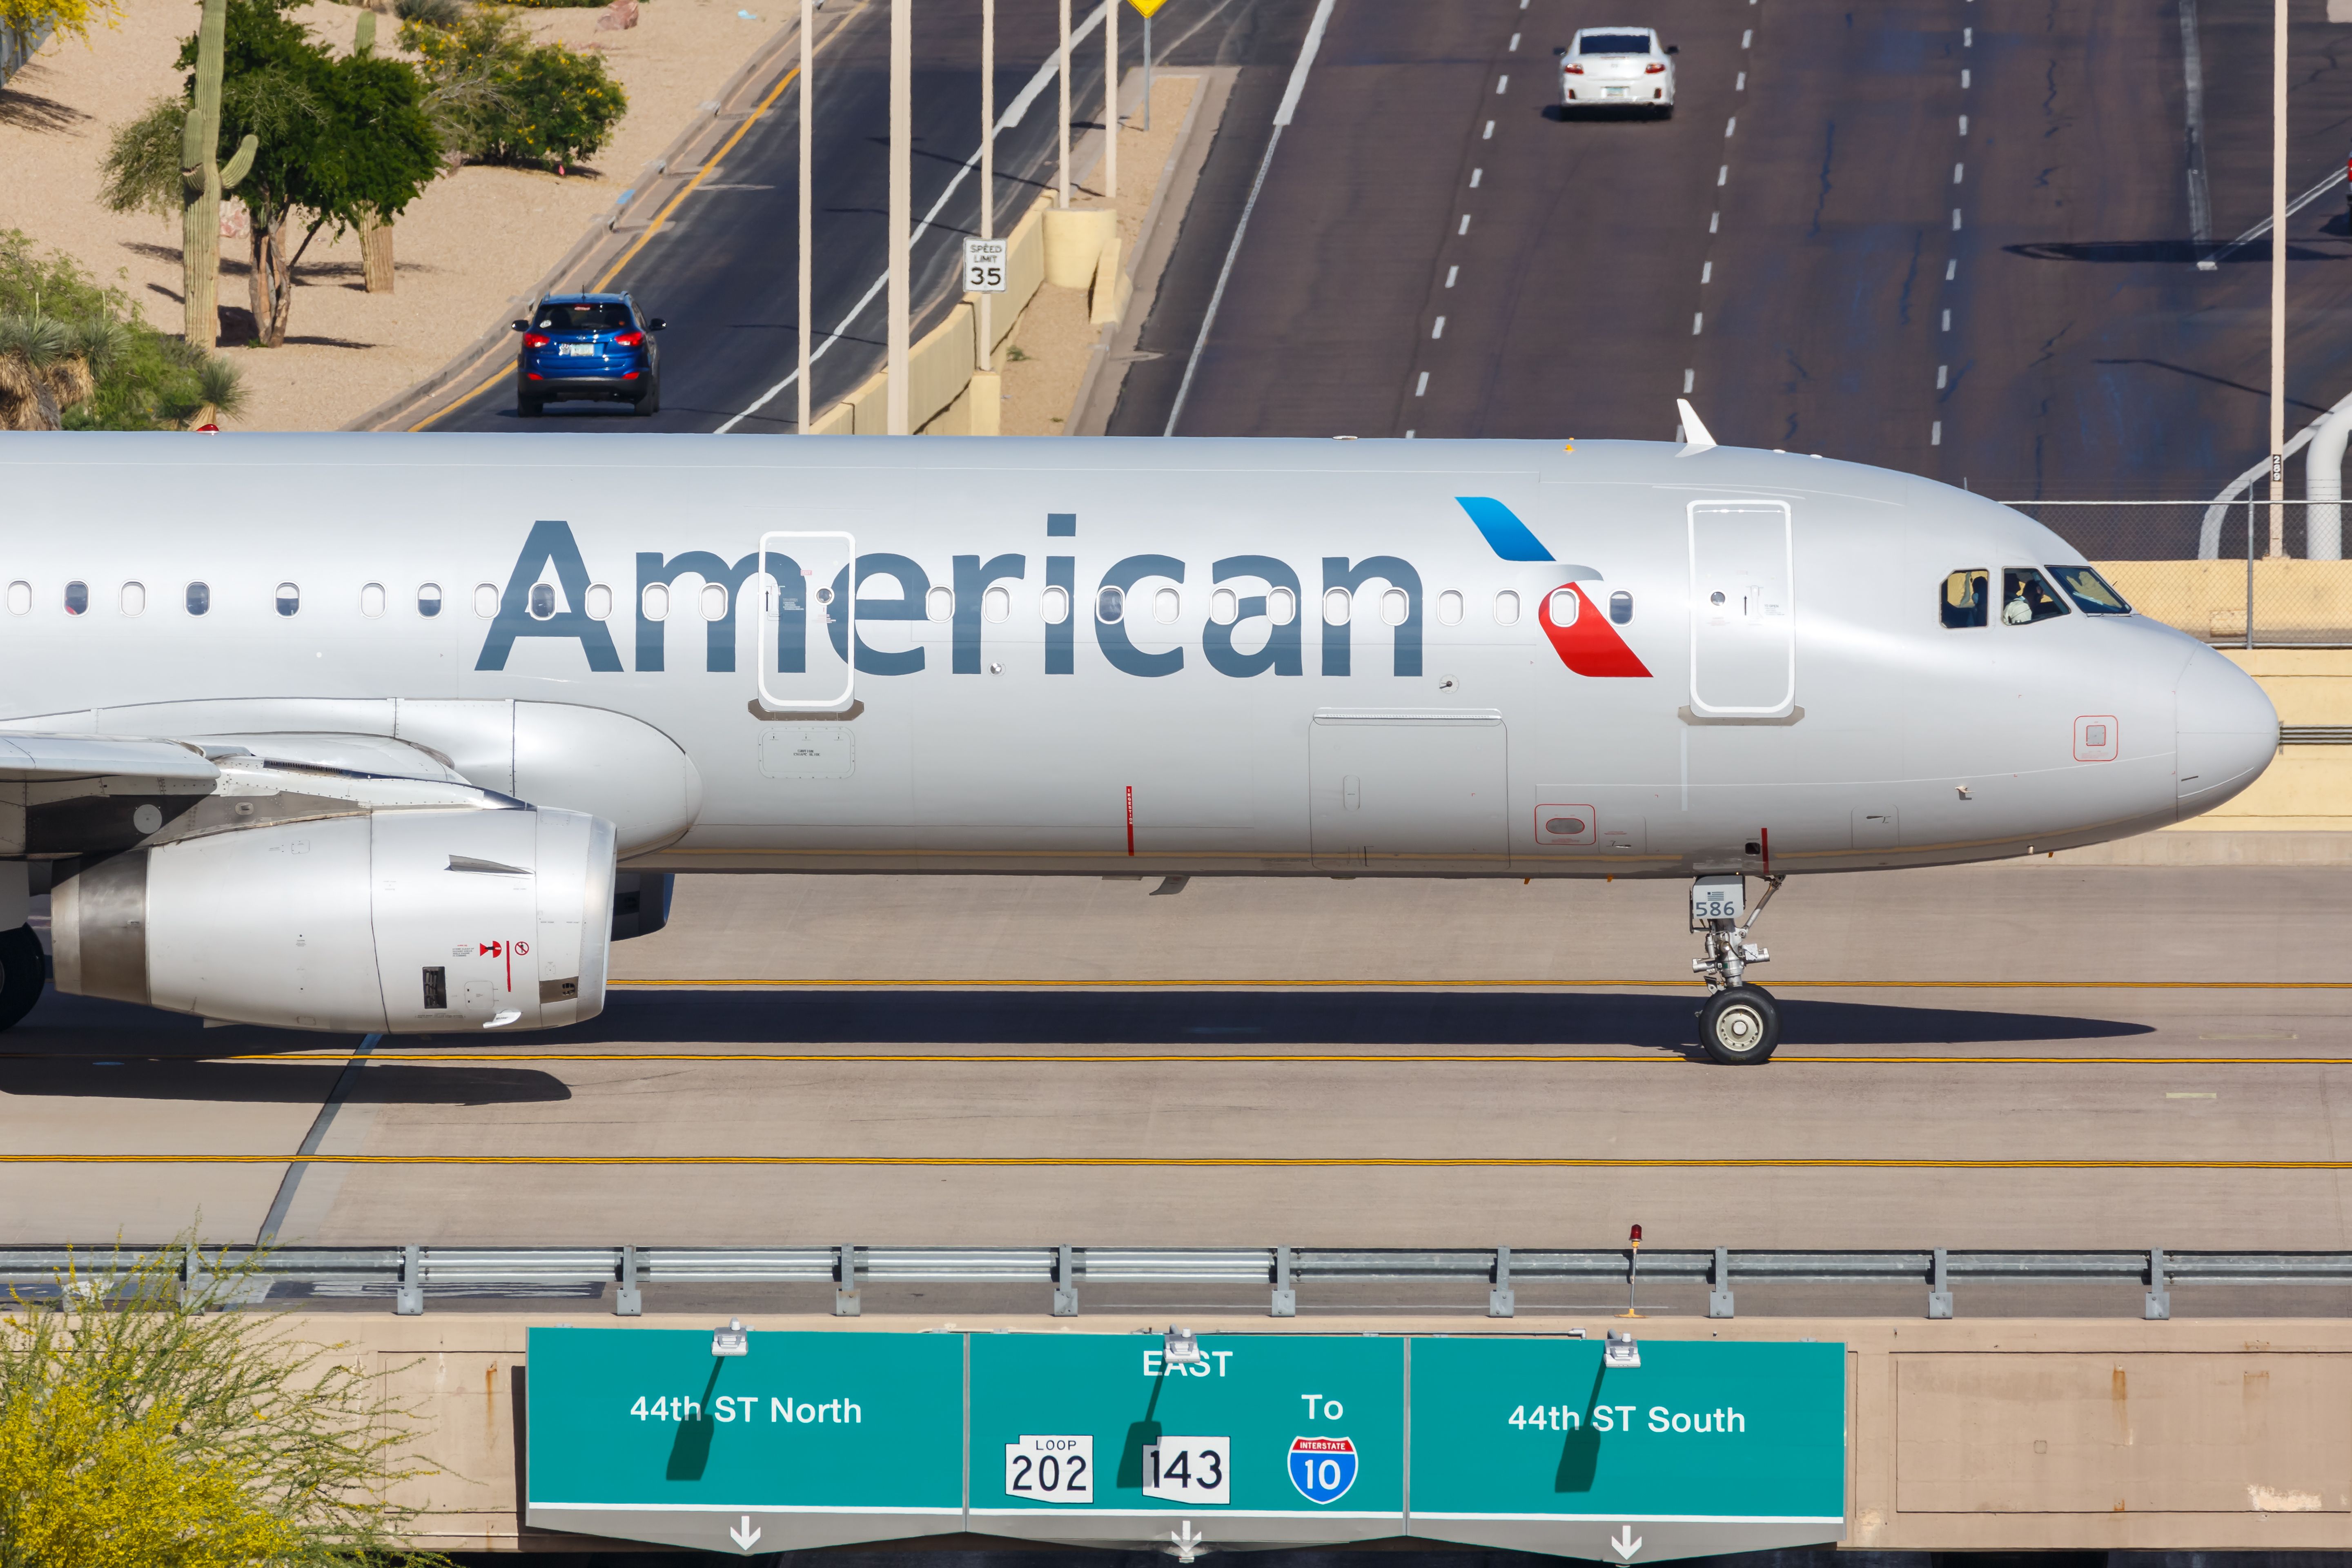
[1580, 632]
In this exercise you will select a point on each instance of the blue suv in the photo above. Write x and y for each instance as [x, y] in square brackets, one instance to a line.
[587, 346]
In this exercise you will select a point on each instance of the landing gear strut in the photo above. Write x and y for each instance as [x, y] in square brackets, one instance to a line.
[1740, 1025]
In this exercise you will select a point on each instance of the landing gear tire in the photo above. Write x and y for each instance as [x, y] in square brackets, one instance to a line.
[1739, 1026]
[20, 975]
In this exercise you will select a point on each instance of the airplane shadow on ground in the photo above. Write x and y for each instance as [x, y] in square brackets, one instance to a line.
[1215, 1020]
[155, 1056]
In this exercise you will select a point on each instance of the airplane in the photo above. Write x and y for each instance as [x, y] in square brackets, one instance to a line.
[397, 733]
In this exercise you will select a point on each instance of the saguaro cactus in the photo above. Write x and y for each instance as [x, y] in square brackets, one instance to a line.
[376, 234]
[202, 181]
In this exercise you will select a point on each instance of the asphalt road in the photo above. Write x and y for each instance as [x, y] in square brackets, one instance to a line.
[1786, 247]
[2032, 1014]
[723, 270]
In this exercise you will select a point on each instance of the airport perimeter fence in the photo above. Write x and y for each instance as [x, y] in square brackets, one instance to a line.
[406, 1276]
[2188, 563]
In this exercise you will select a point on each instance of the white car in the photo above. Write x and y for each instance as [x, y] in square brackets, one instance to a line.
[1614, 67]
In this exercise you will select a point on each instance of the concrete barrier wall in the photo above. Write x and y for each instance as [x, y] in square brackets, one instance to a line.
[2300, 600]
[1983, 1435]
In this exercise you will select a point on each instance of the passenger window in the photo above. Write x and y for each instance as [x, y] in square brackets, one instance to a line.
[2091, 590]
[485, 600]
[1338, 607]
[1449, 608]
[1282, 606]
[1110, 607]
[1395, 605]
[1224, 607]
[1054, 606]
[429, 600]
[77, 598]
[600, 602]
[288, 599]
[200, 597]
[1963, 599]
[2026, 596]
[1620, 608]
[938, 604]
[1166, 606]
[371, 599]
[1506, 608]
[134, 598]
[542, 601]
[996, 604]
[714, 601]
[654, 603]
[1565, 607]
[20, 598]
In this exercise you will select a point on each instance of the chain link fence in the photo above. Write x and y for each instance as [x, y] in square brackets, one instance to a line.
[2238, 572]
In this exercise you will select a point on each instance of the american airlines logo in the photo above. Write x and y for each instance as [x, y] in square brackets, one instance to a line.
[1573, 616]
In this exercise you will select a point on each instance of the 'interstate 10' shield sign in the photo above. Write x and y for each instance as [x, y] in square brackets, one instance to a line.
[1323, 1468]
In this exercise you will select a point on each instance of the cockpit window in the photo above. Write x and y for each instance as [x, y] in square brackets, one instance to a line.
[2026, 596]
[1964, 596]
[2091, 590]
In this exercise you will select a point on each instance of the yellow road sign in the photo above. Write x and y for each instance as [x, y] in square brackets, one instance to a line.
[1147, 7]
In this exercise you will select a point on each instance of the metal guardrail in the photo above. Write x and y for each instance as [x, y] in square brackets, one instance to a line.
[407, 1273]
[2315, 734]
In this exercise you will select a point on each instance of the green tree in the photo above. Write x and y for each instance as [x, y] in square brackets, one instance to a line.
[501, 100]
[146, 1428]
[366, 146]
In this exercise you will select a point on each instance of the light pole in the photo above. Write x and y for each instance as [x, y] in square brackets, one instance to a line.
[2278, 283]
[1062, 71]
[984, 350]
[902, 204]
[1110, 106]
[808, 133]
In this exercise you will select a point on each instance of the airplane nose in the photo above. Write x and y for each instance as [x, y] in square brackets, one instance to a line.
[2225, 733]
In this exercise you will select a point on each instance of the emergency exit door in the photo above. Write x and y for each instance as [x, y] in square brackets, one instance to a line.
[1743, 608]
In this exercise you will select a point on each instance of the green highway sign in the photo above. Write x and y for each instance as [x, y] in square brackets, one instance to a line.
[803, 1440]
[1532, 1445]
[1266, 1439]
[771, 1442]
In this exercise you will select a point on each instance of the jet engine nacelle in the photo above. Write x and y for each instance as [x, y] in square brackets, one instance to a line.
[406, 922]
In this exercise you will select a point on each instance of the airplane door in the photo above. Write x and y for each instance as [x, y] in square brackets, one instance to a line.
[1407, 790]
[803, 659]
[1743, 608]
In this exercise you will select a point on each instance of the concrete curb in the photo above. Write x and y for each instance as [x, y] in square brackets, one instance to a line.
[606, 238]
[1155, 242]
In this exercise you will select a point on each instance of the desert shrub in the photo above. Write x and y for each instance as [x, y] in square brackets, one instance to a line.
[140, 379]
[500, 98]
[429, 12]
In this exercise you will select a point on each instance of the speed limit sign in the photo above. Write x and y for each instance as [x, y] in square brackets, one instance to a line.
[983, 265]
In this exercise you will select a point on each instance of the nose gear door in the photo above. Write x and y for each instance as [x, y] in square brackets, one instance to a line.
[1743, 608]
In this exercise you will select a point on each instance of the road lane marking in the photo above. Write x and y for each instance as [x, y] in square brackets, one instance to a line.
[1956, 220]
[1202, 1161]
[1439, 330]
[1942, 371]
[1698, 321]
[1514, 40]
[1722, 175]
[1466, 226]
[1706, 272]
[1747, 37]
[1421, 388]
[1964, 79]
[1956, 169]
[1729, 126]
[1476, 175]
[1501, 83]
[1671, 982]
[1948, 320]
[1283, 114]
[1689, 376]
[1714, 218]
[1968, 38]
[1452, 273]
[1489, 135]
[1964, 125]
[1951, 269]
[1742, 85]
[1255, 1059]
[1935, 434]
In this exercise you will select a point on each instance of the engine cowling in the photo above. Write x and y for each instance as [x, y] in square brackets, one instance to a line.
[406, 922]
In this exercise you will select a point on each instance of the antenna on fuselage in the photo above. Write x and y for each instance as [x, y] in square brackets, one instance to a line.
[1695, 437]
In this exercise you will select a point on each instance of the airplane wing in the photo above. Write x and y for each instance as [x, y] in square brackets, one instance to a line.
[46, 759]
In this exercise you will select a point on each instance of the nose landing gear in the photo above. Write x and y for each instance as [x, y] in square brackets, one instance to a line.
[1740, 1025]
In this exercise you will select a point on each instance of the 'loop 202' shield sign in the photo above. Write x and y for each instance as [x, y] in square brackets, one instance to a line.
[1322, 1468]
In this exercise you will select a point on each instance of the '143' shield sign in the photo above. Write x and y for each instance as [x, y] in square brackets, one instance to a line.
[1322, 1468]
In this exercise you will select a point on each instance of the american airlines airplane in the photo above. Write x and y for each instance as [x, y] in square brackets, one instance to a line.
[350, 732]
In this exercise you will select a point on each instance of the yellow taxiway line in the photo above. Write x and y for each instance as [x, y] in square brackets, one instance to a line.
[1199, 1161]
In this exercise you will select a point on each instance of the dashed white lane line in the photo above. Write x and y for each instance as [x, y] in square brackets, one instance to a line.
[1956, 168]
[1748, 37]
[1421, 387]
[1964, 125]
[1951, 269]
[1515, 43]
[1698, 321]
[1948, 320]
[1723, 176]
[1956, 220]
[1451, 274]
[1502, 84]
[1476, 175]
[1968, 38]
[1713, 220]
[1706, 272]
[1729, 126]
[1438, 331]
[1466, 226]
[1690, 378]
[1489, 136]
[1964, 81]
[1942, 371]
[1935, 434]
[1742, 85]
